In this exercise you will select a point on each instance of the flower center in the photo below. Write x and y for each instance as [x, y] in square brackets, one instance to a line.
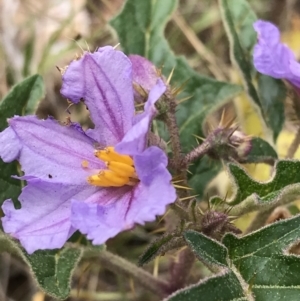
[120, 170]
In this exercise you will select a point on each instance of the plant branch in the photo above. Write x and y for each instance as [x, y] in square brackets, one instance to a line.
[180, 269]
[120, 265]
[294, 146]
[173, 130]
[196, 153]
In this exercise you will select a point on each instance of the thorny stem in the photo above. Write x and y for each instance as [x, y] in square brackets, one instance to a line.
[120, 265]
[173, 131]
[196, 153]
[294, 146]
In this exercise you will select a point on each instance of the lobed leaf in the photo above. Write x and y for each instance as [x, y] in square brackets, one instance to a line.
[251, 195]
[254, 267]
[263, 261]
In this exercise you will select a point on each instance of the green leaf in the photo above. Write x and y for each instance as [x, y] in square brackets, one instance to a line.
[254, 267]
[238, 19]
[157, 247]
[286, 176]
[225, 287]
[202, 172]
[29, 91]
[263, 262]
[261, 151]
[53, 270]
[140, 27]
[272, 93]
[283, 188]
[206, 249]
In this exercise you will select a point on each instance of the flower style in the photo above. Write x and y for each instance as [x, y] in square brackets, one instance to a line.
[273, 58]
[100, 181]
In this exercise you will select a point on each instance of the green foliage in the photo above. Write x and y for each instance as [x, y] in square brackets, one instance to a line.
[140, 27]
[225, 287]
[251, 195]
[286, 178]
[263, 261]
[254, 267]
[26, 93]
[52, 269]
[272, 93]
[153, 250]
[261, 151]
[238, 19]
[209, 250]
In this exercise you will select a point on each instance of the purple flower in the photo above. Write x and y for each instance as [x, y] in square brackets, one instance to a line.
[273, 58]
[100, 181]
[145, 76]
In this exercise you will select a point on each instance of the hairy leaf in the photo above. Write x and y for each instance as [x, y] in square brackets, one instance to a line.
[282, 188]
[261, 151]
[53, 270]
[254, 267]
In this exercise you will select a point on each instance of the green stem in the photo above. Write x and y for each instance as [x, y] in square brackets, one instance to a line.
[120, 265]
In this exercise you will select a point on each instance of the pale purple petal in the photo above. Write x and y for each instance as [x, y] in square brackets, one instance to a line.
[144, 74]
[43, 222]
[48, 150]
[10, 146]
[135, 140]
[107, 212]
[147, 162]
[273, 58]
[103, 79]
[103, 215]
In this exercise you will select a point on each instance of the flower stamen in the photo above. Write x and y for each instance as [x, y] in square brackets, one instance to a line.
[120, 170]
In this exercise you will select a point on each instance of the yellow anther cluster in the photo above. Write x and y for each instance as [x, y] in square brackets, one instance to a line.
[120, 170]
